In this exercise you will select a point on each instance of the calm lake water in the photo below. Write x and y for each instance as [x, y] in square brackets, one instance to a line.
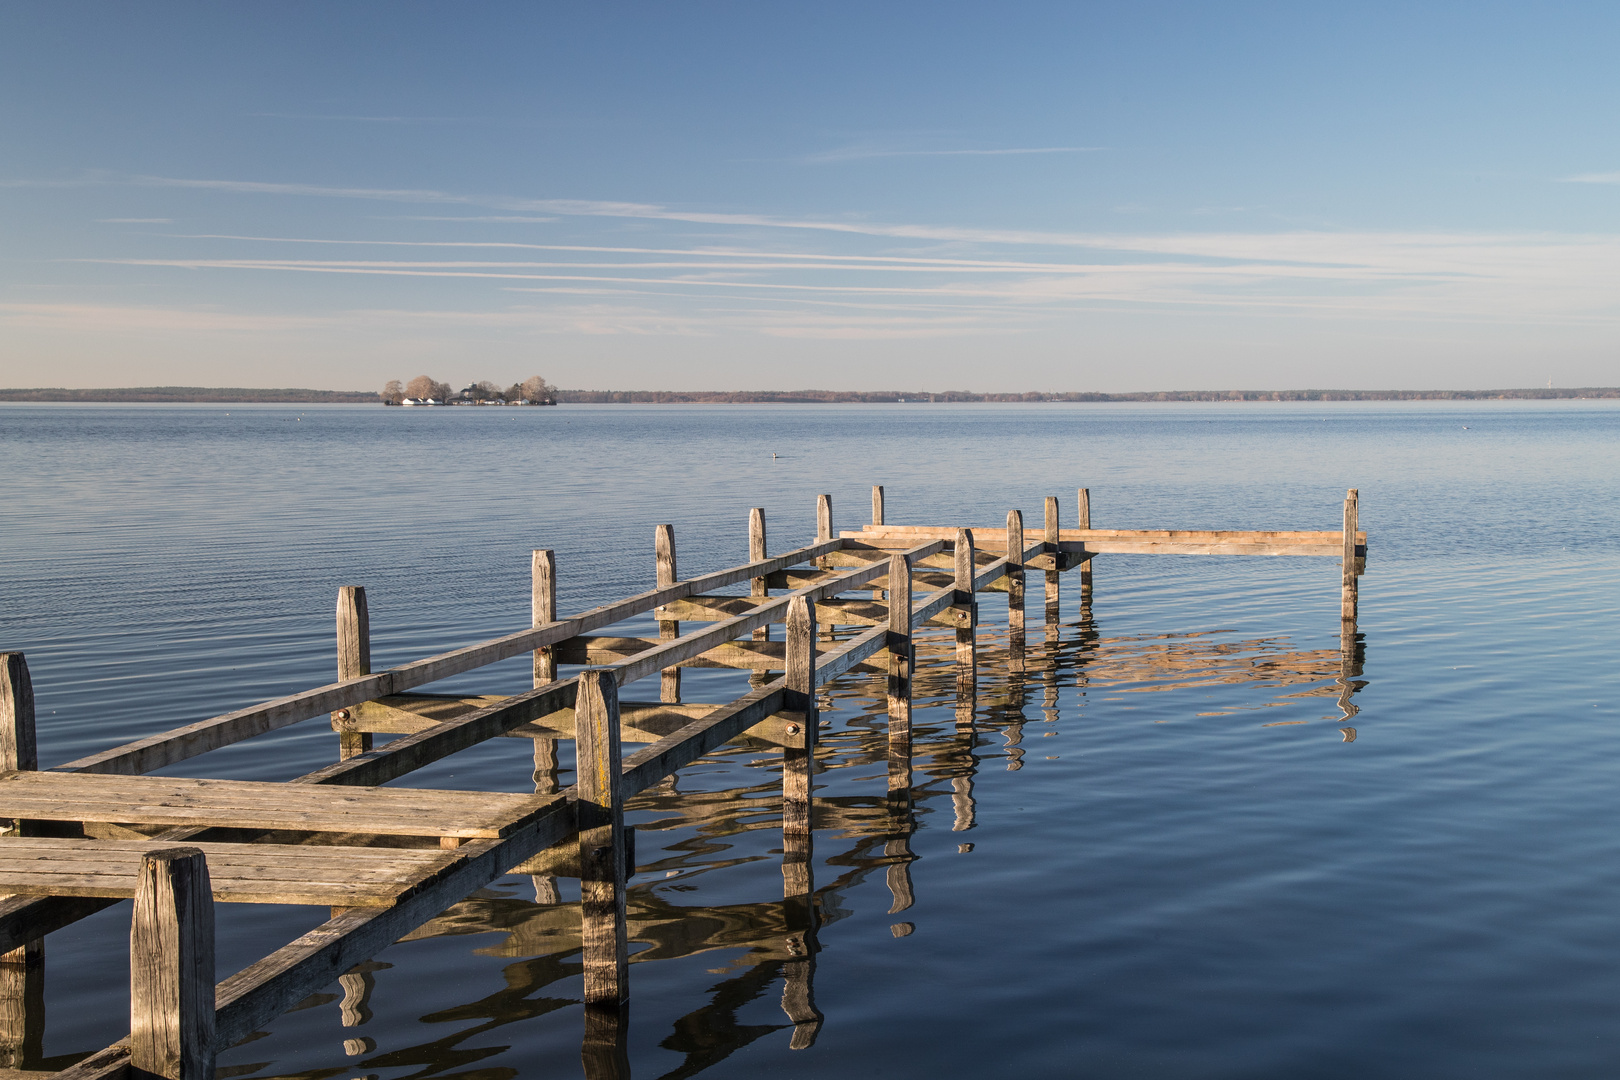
[1157, 855]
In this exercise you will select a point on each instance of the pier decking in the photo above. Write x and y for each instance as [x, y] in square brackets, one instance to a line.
[388, 860]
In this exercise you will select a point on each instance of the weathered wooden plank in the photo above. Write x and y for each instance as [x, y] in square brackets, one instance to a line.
[1074, 542]
[171, 967]
[601, 839]
[1334, 536]
[179, 744]
[353, 658]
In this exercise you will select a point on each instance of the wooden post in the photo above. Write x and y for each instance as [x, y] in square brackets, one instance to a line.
[824, 525]
[1083, 521]
[967, 607]
[877, 504]
[1015, 589]
[542, 610]
[601, 837]
[354, 658]
[171, 967]
[22, 970]
[668, 629]
[1053, 594]
[1349, 599]
[798, 761]
[757, 589]
[901, 657]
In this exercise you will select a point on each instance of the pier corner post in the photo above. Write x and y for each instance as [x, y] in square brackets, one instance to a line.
[1349, 597]
[542, 610]
[967, 611]
[901, 659]
[758, 589]
[22, 970]
[1015, 589]
[1051, 537]
[668, 629]
[353, 660]
[877, 504]
[601, 838]
[798, 761]
[1083, 521]
[171, 967]
[824, 526]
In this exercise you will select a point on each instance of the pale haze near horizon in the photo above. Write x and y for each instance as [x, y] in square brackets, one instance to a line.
[1033, 197]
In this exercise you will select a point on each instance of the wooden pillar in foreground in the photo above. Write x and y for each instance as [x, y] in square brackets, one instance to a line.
[542, 610]
[1349, 599]
[22, 970]
[901, 658]
[798, 757]
[354, 658]
[1015, 589]
[824, 525]
[171, 967]
[877, 504]
[1083, 521]
[967, 610]
[668, 629]
[758, 591]
[1053, 589]
[601, 838]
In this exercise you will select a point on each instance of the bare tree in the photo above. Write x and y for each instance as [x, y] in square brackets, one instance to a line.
[514, 392]
[536, 390]
[420, 387]
[440, 391]
[485, 391]
[393, 392]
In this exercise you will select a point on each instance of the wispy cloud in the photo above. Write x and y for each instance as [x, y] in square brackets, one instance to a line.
[375, 119]
[135, 221]
[859, 152]
[1592, 178]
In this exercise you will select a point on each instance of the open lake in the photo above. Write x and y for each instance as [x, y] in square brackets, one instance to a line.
[1183, 845]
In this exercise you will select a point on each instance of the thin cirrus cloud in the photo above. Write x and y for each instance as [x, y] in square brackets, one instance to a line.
[1592, 178]
[860, 152]
[135, 221]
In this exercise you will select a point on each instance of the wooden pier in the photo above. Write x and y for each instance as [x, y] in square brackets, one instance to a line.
[387, 861]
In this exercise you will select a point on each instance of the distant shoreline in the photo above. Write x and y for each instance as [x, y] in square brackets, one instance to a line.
[248, 395]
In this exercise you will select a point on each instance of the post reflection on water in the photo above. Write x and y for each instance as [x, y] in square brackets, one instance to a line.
[974, 705]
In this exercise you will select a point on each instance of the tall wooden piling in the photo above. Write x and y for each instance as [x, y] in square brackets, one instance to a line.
[601, 838]
[353, 659]
[668, 629]
[171, 967]
[22, 970]
[1349, 598]
[1083, 521]
[798, 756]
[1051, 538]
[967, 607]
[877, 504]
[901, 658]
[542, 610]
[1015, 589]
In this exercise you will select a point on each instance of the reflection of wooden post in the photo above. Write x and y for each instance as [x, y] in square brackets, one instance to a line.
[670, 678]
[1084, 522]
[1015, 589]
[605, 1051]
[799, 989]
[967, 610]
[171, 967]
[798, 760]
[354, 658]
[900, 661]
[1053, 595]
[22, 970]
[601, 838]
[1347, 604]
[358, 984]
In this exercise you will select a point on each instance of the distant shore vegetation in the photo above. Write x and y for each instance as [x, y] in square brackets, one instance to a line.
[542, 393]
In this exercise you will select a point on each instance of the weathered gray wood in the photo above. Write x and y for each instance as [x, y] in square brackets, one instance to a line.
[877, 504]
[1015, 589]
[171, 967]
[1052, 538]
[353, 659]
[668, 629]
[604, 1049]
[543, 609]
[19, 750]
[18, 747]
[601, 838]
[798, 763]
[824, 526]
[1349, 597]
[22, 1015]
[179, 744]
[758, 588]
[901, 658]
[966, 644]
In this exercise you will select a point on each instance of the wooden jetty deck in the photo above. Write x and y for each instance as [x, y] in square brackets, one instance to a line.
[389, 860]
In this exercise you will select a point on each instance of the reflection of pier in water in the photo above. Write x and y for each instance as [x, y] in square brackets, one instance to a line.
[388, 860]
[775, 936]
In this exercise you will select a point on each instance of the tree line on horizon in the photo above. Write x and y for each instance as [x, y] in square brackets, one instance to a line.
[534, 390]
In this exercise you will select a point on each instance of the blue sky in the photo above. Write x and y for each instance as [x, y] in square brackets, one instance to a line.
[933, 196]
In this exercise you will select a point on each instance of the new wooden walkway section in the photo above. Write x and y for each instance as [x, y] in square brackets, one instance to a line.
[387, 860]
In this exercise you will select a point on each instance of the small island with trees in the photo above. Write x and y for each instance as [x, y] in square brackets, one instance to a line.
[425, 390]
